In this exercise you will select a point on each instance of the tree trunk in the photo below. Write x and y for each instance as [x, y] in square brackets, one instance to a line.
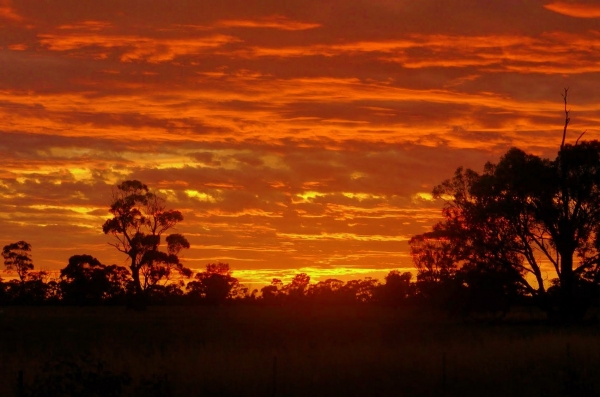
[570, 307]
[138, 301]
[135, 274]
[566, 284]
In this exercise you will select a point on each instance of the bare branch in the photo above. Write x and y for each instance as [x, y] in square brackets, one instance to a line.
[576, 142]
[593, 261]
[118, 247]
[542, 246]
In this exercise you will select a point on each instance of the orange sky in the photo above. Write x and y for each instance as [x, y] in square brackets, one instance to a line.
[294, 136]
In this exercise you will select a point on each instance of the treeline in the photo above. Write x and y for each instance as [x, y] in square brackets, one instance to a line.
[86, 281]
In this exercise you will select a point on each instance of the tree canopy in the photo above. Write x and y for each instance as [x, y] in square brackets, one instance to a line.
[87, 281]
[140, 219]
[17, 257]
[518, 221]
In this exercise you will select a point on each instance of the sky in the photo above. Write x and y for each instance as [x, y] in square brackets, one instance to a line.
[294, 136]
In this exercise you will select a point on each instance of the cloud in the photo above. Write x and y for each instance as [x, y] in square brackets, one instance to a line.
[575, 9]
[253, 202]
[132, 48]
[90, 26]
[8, 13]
[271, 22]
[546, 53]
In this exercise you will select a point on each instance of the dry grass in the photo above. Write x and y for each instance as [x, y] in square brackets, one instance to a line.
[256, 351]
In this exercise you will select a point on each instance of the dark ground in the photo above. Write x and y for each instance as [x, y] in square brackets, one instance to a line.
[275, 351]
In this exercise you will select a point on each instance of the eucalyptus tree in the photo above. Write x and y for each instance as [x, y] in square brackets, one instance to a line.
[140, 220]
[523, 219]
[17, 257]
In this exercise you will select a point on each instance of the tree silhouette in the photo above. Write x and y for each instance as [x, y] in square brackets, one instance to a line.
[119, 283]
[86, 281]
[140, 219]
[484, 291]
[272, 293]
[297, 288]
[36, 289]
[396, 289]
[361, 290]
[166, 294]
[213, 285]
[328, 291]
[17, 257]
[435, 258]
[521, 210]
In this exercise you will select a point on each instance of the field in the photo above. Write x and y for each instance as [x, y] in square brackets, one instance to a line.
[275, 351]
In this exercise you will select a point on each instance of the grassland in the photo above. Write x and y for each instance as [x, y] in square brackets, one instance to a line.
[308, 351]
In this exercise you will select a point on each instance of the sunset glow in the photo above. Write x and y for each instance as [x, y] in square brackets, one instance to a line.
[305, 136]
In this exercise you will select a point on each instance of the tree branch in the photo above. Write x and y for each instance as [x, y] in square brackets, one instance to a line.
[577, 141]
[542, 246]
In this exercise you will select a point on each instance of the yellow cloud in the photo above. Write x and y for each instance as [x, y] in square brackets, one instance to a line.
[361, 196]
[200, 196]
[272, 22]
[310, 195]
[576, 10]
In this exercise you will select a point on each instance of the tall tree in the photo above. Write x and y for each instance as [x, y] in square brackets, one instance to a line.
[526, 214]
[17, 257]
[140, 219]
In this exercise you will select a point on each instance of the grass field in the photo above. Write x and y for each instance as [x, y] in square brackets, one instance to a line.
[308, 351]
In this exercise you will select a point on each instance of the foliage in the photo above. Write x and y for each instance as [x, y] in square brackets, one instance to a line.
[397, 288]
[17, 257]
[297, 287]
[326, 292]
[140, 218]
[271, 293]
[500, 224]
[214, 285]
[87, 281]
